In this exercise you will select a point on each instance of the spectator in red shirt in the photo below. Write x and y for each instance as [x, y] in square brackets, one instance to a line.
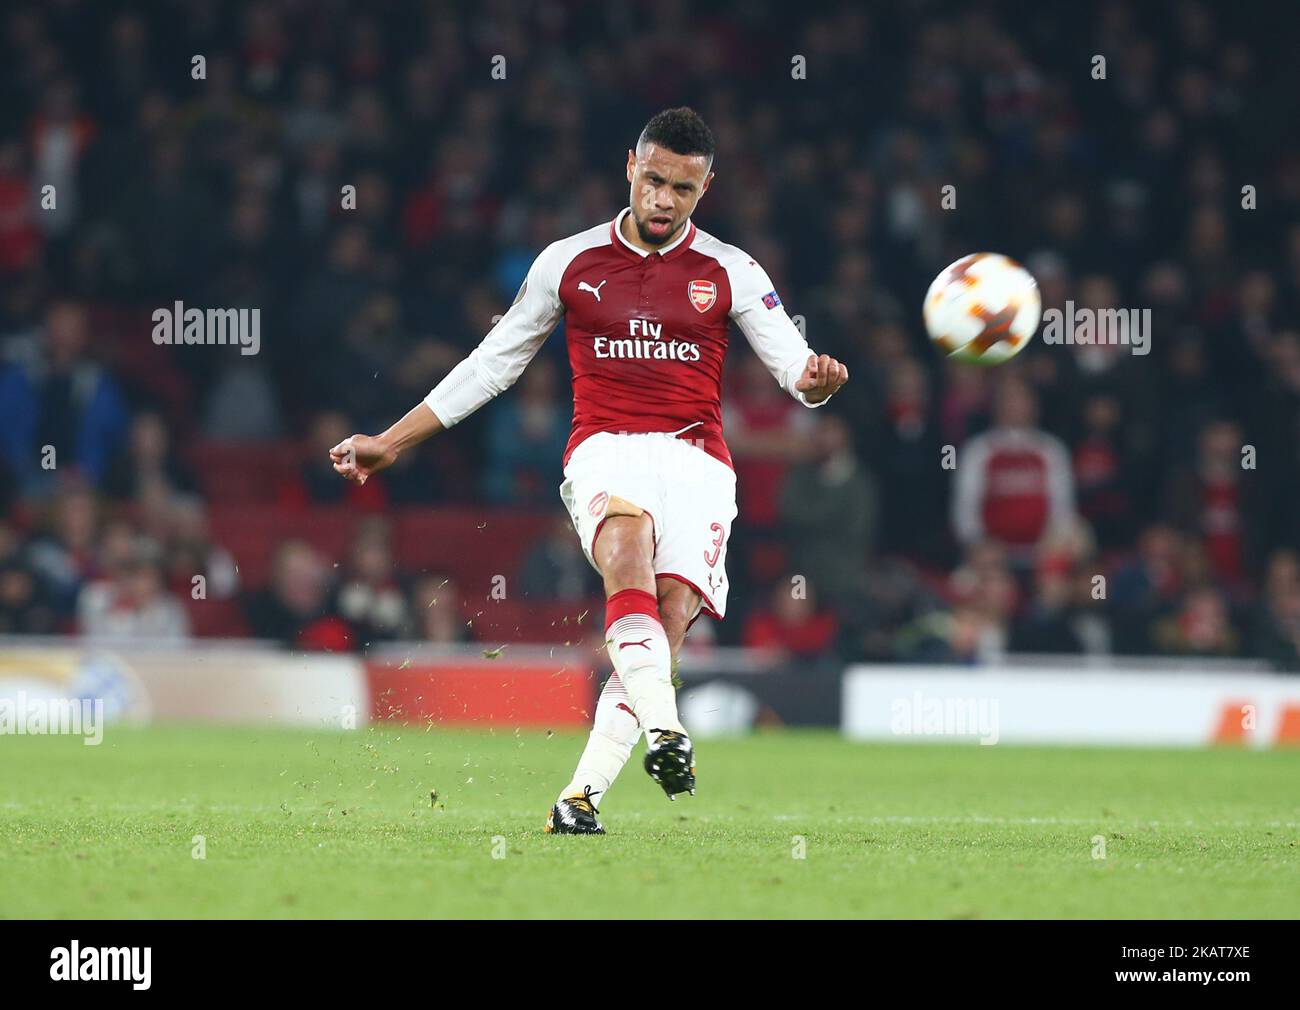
[20, 241]
[792, 625]
[294, 608]
[1101, 473]
[1013, 484]
[1210, 501]
[1202, 627]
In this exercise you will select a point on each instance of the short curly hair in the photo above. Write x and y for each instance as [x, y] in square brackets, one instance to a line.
[681, 130]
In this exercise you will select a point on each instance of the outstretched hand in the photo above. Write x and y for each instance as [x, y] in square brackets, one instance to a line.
[822, 376]
[356, 458]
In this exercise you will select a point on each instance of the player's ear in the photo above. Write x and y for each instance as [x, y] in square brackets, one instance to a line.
[705, 188]
[631, 164]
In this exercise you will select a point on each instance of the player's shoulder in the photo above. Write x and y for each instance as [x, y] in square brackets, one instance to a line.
[560, 253]
[746, 274]
[729, 256]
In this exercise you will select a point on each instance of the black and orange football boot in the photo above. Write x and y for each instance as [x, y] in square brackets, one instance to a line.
[574, 815]
[670, 761]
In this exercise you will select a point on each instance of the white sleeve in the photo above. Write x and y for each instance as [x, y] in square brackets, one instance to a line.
[757, 309]
[1060, 484]
[968, 494]
[494, 365]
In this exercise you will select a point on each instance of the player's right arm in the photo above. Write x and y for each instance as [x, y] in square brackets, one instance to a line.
[357, 457]
[489, 370]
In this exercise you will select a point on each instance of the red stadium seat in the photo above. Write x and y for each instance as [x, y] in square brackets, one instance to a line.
[546, 622]
[470, 546]
[253, 532]
[216, 619]
[230, 472]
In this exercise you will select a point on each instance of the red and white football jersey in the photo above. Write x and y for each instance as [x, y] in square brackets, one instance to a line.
[1014, 485]
[647, 333]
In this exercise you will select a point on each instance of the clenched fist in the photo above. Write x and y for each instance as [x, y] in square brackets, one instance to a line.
[356, 458]
[822, 376]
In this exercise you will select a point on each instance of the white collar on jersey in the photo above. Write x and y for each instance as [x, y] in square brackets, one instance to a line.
[618, 231]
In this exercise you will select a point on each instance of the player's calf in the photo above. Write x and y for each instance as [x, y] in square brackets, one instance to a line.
[638, 648]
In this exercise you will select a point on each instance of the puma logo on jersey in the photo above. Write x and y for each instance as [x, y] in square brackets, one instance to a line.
[584, 286]
[644, 643]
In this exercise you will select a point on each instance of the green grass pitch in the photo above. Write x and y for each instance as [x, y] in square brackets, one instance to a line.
[333, 824]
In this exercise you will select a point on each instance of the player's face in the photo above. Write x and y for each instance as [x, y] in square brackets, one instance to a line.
[666, 186]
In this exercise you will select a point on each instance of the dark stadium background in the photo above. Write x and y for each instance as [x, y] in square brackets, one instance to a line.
[1122, 192]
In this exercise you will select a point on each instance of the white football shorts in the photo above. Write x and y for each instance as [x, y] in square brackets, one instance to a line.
[689, 495]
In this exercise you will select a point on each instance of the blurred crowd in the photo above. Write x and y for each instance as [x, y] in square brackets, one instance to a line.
[376, 179]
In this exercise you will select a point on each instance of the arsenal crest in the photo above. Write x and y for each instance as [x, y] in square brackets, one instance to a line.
[702, 294]
[598, 502]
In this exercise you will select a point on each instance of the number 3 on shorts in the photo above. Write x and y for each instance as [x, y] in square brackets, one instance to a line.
[711, 557]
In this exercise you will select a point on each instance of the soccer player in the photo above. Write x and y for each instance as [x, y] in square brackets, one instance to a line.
[647, 300]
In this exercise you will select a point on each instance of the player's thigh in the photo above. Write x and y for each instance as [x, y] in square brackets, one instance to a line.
[624, 553]
[699, 507]
[610, 476]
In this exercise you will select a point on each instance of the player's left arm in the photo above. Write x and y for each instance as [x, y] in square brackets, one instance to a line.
[822, 376]
[756, 307]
